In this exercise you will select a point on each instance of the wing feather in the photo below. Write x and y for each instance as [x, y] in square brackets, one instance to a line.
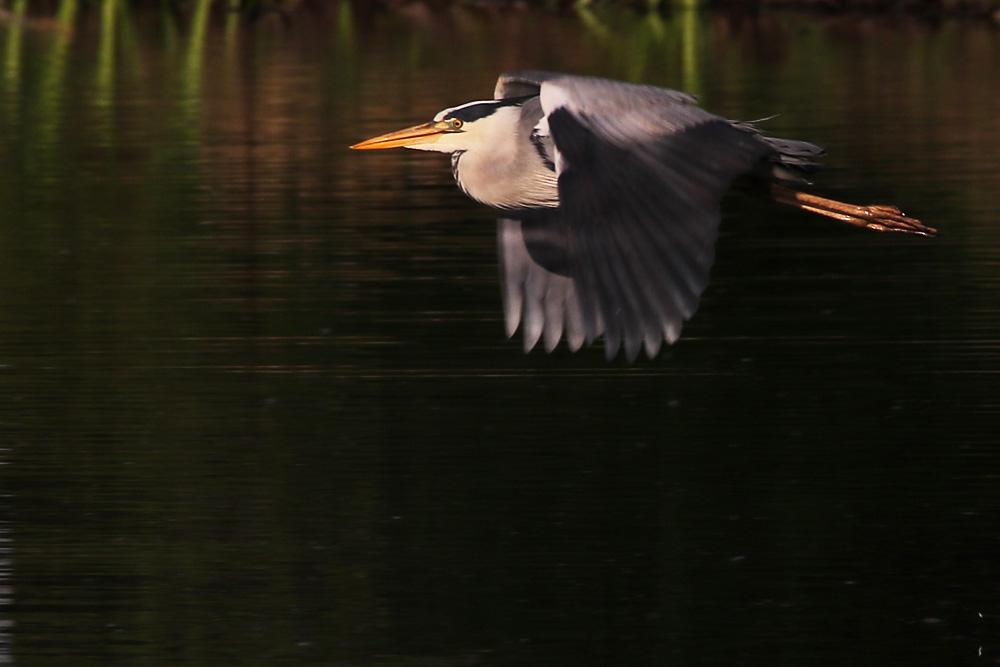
[540, 300]
[627, 253]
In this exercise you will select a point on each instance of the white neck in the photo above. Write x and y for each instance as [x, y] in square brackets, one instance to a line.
[497, 166]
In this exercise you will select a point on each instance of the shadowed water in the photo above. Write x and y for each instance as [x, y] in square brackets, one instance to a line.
[257, 406]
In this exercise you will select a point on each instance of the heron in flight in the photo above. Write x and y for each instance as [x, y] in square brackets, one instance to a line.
[608, 196]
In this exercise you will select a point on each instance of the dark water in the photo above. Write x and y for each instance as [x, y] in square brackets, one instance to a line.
[256, 405]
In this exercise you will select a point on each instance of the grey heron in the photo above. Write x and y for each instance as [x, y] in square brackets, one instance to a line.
[608, 197]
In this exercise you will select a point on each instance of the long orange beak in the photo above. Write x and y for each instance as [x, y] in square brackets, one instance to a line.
[426, 133]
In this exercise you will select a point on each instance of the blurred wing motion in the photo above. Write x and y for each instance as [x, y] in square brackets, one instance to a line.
[627, 253]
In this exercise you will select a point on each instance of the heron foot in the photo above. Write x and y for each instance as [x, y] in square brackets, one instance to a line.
[877, 217]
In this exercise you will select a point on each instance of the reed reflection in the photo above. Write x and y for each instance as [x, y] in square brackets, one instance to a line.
[256, 399]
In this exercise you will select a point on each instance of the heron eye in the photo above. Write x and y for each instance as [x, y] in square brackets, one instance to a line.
[456, 124]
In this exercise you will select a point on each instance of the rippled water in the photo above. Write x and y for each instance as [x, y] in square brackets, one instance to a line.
[256, 404]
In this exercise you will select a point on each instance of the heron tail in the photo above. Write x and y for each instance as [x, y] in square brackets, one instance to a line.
[790, 160]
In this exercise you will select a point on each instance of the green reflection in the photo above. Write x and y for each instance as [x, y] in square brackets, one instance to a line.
[195, 57]
[13, 32]
[52, 93]
[592, 23]
[690, 35]
[188, 120]
[105, 82]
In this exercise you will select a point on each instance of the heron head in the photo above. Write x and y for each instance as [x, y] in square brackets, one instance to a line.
[458, 128]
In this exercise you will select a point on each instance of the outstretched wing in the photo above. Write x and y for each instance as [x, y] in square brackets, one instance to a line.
[641, 173]
[538, 293]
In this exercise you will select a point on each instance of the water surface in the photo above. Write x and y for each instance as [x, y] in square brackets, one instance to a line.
[257, 405]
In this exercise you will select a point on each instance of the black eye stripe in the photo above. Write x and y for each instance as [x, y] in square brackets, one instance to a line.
[471, 112]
